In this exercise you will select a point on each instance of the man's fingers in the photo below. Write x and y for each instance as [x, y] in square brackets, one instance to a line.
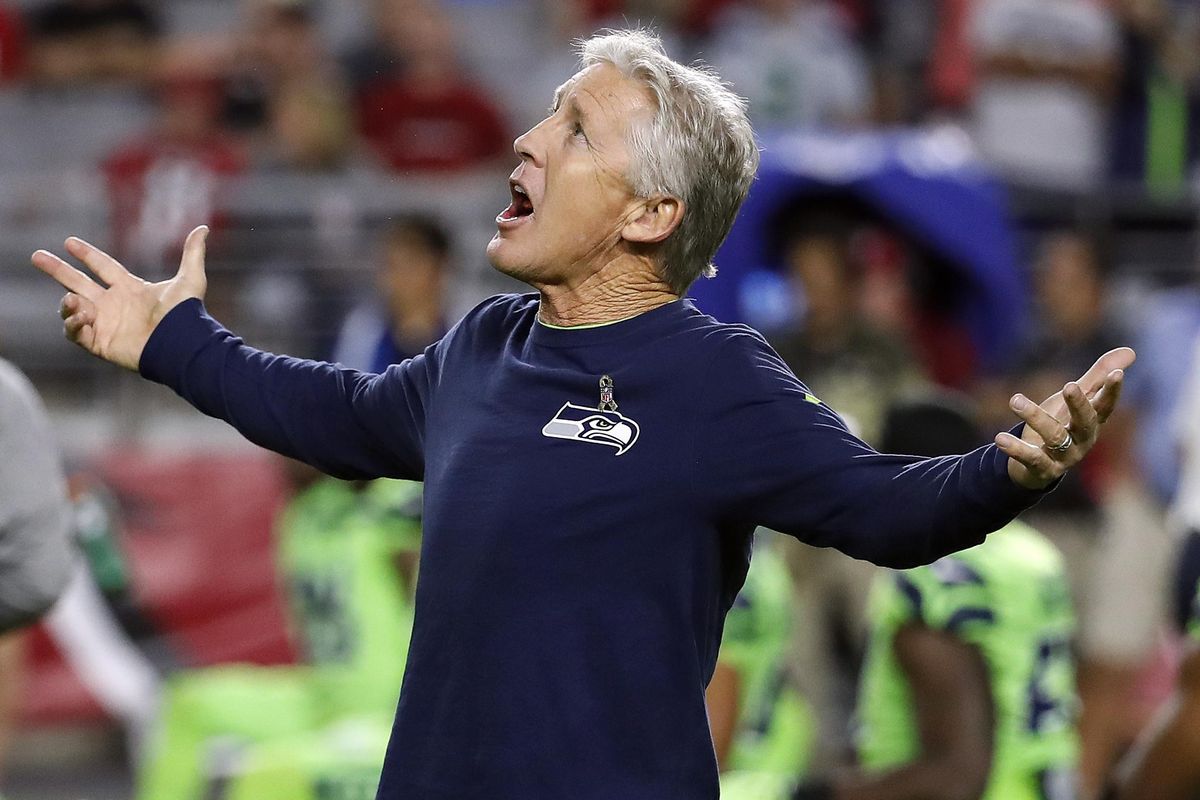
[1034, 458]
[1105, 401]
[1039, 420]
[1084, 419]
[1094, 378]
[101, 263]
[72, 304]
[191, 266]
[68, 277]
[78, 329]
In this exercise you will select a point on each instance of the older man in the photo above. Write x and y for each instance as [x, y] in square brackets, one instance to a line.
[595, 455]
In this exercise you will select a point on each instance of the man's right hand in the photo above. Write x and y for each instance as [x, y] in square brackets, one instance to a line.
[114, 320]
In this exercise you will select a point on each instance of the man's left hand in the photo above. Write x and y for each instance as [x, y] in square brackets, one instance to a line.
[1060, 432]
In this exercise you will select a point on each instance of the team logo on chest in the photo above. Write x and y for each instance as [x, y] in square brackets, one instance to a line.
[600, 425]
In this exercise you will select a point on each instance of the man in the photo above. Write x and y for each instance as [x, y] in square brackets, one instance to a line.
[408, 313]
[1166, 764]
[347, 556]
[35, 515]
[968, 683]
[35, 522]
[762, 727]
[595, 455]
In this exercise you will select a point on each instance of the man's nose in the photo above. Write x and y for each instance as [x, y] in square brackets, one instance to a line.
[526, 146]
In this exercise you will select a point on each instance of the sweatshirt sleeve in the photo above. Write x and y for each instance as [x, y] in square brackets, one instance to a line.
[770, 453]
[36, 548]
[348, 424]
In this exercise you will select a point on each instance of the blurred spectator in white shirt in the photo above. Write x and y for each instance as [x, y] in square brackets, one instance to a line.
[795, 61]
[1046, 69]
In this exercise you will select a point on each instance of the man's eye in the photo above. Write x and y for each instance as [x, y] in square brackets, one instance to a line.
[577, 130]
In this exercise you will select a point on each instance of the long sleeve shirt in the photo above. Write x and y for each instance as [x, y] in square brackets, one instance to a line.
[582, 544]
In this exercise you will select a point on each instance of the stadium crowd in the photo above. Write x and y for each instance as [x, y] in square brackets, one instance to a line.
[393, 120]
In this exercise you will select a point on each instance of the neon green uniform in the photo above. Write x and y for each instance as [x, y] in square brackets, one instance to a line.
[775, 729]
[353, 614]
[340, 762]
[1008, 598]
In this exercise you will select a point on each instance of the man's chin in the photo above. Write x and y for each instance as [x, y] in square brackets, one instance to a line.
[499, 253]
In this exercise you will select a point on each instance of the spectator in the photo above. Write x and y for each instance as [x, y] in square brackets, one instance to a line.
[431, 118]
[851, 365]
[795, 61]
[1102, 519]
[411, 284]
[81, 41]
[1166, 764]
[285, 92]
[164, 183]
[12, 45]
[1045, 75]
[844, 358]
[1157, 115]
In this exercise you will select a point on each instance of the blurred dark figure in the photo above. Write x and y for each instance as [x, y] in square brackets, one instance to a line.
[167, 181]
[1156, 136]
[430, 117]
[842, 356]
[1102, 518]
[407, 314]
[81, 41]
[285, 93]
[1046, 70]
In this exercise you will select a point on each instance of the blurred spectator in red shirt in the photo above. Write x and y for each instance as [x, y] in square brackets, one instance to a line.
[165, 183]
[75, 41]
[431, 117]
[12, 44]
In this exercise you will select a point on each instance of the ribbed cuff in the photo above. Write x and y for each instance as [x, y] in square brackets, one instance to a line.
[178, 336]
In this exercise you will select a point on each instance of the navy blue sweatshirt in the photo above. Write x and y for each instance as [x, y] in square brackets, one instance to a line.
[577, 563]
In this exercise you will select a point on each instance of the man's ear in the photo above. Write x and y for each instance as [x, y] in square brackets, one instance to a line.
[654, 220]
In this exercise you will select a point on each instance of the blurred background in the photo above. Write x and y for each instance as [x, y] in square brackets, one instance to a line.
[975, 195]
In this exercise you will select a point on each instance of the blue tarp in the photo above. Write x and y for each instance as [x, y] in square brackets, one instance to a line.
[928, 184]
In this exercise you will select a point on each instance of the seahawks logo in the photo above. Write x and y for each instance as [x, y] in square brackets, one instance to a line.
[583, 424]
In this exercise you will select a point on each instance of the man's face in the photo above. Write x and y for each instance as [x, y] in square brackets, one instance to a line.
[573, 171]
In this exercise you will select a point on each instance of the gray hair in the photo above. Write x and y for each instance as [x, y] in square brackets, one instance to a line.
[699, 148]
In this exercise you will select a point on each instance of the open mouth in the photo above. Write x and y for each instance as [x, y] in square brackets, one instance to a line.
[521, 205]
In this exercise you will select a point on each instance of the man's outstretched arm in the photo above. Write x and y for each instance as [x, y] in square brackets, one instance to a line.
[345, 423]
[772, 454]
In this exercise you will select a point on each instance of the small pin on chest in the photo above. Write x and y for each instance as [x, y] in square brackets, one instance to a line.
[607, 402]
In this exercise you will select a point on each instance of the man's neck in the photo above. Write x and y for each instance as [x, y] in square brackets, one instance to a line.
[602, 299]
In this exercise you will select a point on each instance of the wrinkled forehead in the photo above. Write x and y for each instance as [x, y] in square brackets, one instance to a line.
[604, 89]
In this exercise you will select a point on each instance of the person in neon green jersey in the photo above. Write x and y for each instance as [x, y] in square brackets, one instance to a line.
[347, 554]
[968, 686]
[762, 728]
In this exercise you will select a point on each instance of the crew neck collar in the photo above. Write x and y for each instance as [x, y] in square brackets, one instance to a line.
[645, 324]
